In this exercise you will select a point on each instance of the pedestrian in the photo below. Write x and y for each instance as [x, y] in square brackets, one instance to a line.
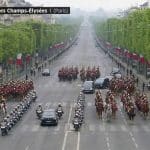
[26, 77]
[31, 71]
[143, 86]
[130, 72]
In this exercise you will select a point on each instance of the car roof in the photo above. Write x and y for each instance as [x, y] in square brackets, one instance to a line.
[49, 112]
[46, 69]
[100, 79]
[88, 82]
[114, 69]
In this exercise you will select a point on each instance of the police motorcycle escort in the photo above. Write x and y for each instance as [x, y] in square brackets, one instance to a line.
[79, 112]
[4, 129]
[59, 111]
[39, 111]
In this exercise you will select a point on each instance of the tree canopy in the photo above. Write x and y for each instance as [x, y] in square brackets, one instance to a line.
[131, 32]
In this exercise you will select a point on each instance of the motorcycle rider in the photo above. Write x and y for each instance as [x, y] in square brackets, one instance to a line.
[60, 108]
[39, 108]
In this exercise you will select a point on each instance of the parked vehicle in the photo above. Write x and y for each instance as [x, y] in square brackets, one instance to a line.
[46, 72]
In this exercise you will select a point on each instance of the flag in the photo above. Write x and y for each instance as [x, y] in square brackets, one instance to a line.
[19, 59]
[141, 59]
[28, 58]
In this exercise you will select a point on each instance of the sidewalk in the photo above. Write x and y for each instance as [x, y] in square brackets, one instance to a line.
[142, 79]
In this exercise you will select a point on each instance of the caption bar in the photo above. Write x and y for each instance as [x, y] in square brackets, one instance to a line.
[34, 10]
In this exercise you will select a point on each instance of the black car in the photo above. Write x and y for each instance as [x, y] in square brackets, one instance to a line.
[49, 117]
[46, 72]
[102, 83]
[88, 87]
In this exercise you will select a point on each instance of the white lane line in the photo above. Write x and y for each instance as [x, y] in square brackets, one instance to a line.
[64, 142]
[27, 148]
[78, 141]
[69, 118]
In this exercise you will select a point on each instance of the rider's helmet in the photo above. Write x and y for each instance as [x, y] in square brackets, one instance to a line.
[39, 105]
[11, 113]
[7, 116]
[59, 105]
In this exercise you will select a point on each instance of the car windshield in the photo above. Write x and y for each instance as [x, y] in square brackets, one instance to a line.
[100, 79]
[115, 70]
[46, 70]
[49, 113]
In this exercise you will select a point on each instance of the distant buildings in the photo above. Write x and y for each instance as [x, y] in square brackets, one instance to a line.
[133, 8]
[9, 19]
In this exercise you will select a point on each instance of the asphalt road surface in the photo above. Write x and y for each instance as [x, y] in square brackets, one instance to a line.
[95, 134]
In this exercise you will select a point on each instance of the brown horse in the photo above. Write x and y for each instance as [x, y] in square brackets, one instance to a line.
[131, 112]
[114, 110]
[145, 109]
[99, 109]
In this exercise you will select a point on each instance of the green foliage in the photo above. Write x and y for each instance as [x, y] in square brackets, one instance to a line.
[131, 32]
[32, 36]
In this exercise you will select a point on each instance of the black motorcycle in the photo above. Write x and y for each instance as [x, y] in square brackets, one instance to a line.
[39, 113]
[59, 113]
[4, 130]
[76, 125]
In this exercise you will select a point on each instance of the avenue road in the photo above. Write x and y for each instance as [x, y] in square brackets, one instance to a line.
[95, 134]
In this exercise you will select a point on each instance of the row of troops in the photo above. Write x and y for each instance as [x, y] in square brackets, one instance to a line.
[71, 73]
[139, 99]
[16, 87]
[131, 101]
[117, 85]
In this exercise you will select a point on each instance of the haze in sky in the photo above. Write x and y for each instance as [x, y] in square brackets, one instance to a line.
[89, 5]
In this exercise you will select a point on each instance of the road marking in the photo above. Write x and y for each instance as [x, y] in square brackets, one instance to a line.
[69, 118]
[78, 141]
[64, 142]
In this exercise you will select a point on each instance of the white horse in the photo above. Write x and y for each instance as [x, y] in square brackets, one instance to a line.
[108, 113]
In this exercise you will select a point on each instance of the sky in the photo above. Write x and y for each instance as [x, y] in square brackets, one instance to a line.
[89, 5]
